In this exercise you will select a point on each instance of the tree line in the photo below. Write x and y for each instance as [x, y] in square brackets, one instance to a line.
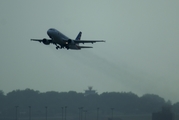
[22, 101]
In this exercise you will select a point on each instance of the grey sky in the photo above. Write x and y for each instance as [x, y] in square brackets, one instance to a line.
[140, 53]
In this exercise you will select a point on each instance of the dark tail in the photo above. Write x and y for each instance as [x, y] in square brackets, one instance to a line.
[78, 37]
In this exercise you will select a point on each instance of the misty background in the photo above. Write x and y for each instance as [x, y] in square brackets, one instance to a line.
[140, 53]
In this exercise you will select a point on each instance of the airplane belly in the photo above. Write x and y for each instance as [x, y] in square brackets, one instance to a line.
[58, 41]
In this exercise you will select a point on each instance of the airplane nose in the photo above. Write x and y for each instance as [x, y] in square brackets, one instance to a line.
[49, 31]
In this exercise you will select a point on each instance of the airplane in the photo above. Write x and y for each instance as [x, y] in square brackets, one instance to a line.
[62, 41]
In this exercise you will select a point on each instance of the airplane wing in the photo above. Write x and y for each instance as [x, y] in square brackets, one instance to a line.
[88, 41]
[40, 40]
[45, 41]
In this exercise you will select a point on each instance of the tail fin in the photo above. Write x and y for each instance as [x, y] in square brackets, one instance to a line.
[78, 37]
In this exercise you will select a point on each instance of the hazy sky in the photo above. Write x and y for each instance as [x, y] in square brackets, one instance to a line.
[140, 53]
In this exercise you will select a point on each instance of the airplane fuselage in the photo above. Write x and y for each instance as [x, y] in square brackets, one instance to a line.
[61, 39]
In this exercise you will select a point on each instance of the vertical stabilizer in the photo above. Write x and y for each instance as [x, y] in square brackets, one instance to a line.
[78, 37]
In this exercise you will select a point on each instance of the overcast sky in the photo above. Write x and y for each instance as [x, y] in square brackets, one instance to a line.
[140, 54]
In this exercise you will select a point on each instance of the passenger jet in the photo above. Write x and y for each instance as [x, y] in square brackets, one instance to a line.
[62, 41]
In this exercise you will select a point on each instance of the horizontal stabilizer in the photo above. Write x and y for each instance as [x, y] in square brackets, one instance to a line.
[88, 41]
[85, 47]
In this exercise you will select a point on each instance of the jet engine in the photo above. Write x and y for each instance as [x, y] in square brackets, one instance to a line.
[45, 41]
[69, 41]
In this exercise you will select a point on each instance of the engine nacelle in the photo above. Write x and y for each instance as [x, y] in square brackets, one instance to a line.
[70, 41]
[45, 41]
